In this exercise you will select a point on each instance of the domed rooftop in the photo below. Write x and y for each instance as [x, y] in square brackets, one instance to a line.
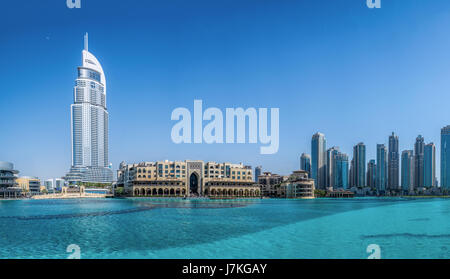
[7, 166]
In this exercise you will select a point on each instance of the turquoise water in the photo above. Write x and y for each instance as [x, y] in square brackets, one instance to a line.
[149, 228]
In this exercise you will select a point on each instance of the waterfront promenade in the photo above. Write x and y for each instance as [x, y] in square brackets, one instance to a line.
[68, 196]
[67, 193]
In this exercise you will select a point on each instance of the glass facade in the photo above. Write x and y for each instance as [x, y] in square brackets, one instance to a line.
[258, 171]
[429, 162]
[341, 171]
[90, 158]
[305, 163]
[445, 157]
[318, 160]
[419, 149]
[381, 167]
[393, 163]
[88, 74]
[331, 156]
[371, 174]
[359, 165]
[407, 170]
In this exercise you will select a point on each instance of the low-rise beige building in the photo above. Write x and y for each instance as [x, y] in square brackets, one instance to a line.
[270, 184]
[298, 186]
[187, 179]
[30, 185]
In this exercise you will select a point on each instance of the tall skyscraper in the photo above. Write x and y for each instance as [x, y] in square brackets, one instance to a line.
[340, 171]
[258, 171]
[445, 157]
[351, 176]
[89, 124]
[359, 165]
[305, 163]
[407, 171]
[429, 164]
[419, 149]
[371, 174]
[393, 163]
[381, 167]
[318, 160]
[331, 154]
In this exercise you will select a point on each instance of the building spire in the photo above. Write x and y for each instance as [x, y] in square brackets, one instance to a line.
[86, 42]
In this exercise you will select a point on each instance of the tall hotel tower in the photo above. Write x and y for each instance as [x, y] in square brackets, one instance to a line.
[89, 124]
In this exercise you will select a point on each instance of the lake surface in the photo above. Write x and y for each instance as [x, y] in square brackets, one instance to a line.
[152, 228]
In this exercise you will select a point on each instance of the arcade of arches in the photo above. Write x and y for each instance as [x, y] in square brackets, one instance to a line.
[217, 189]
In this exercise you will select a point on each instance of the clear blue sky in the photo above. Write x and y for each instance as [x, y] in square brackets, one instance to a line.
[353, 73]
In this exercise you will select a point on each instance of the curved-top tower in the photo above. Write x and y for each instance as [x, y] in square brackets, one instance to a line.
[8, 186]
[89, 123]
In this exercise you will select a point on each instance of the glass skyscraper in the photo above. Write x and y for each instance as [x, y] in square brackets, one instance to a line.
[419, 149]
[331, 154]
[371, 174]
[393, 163]
[429, 164]
[445, 157]
[89, 124]
[407, 171]
[381, 167]
[258, 171]
[305, 163]
[318, 160]
[358, 172]
[340, 171]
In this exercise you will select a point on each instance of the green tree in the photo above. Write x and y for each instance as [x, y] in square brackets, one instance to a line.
[119, 191]
[320, 193]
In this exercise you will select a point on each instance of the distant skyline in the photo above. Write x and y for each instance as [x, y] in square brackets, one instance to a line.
[336, 67]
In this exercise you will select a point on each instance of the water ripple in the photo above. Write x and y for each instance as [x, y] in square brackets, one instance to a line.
[203, 205]
[413, 235]
[77, 215]
[419, 219]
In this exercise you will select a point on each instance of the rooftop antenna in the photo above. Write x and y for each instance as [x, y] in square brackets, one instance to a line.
[86, 42]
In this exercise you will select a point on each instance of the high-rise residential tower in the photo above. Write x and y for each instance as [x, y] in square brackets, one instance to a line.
[305, 163]
[359, 165]
[429, 165]
[318, 160]
[351, 174]
[381, 167]
[258, 171]
[393, 163]
[340, 171]
[371, 174]
[331, 154]
[445, 157]
[351, 177]
[419, 149]
[89, 124]
[407, 171]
